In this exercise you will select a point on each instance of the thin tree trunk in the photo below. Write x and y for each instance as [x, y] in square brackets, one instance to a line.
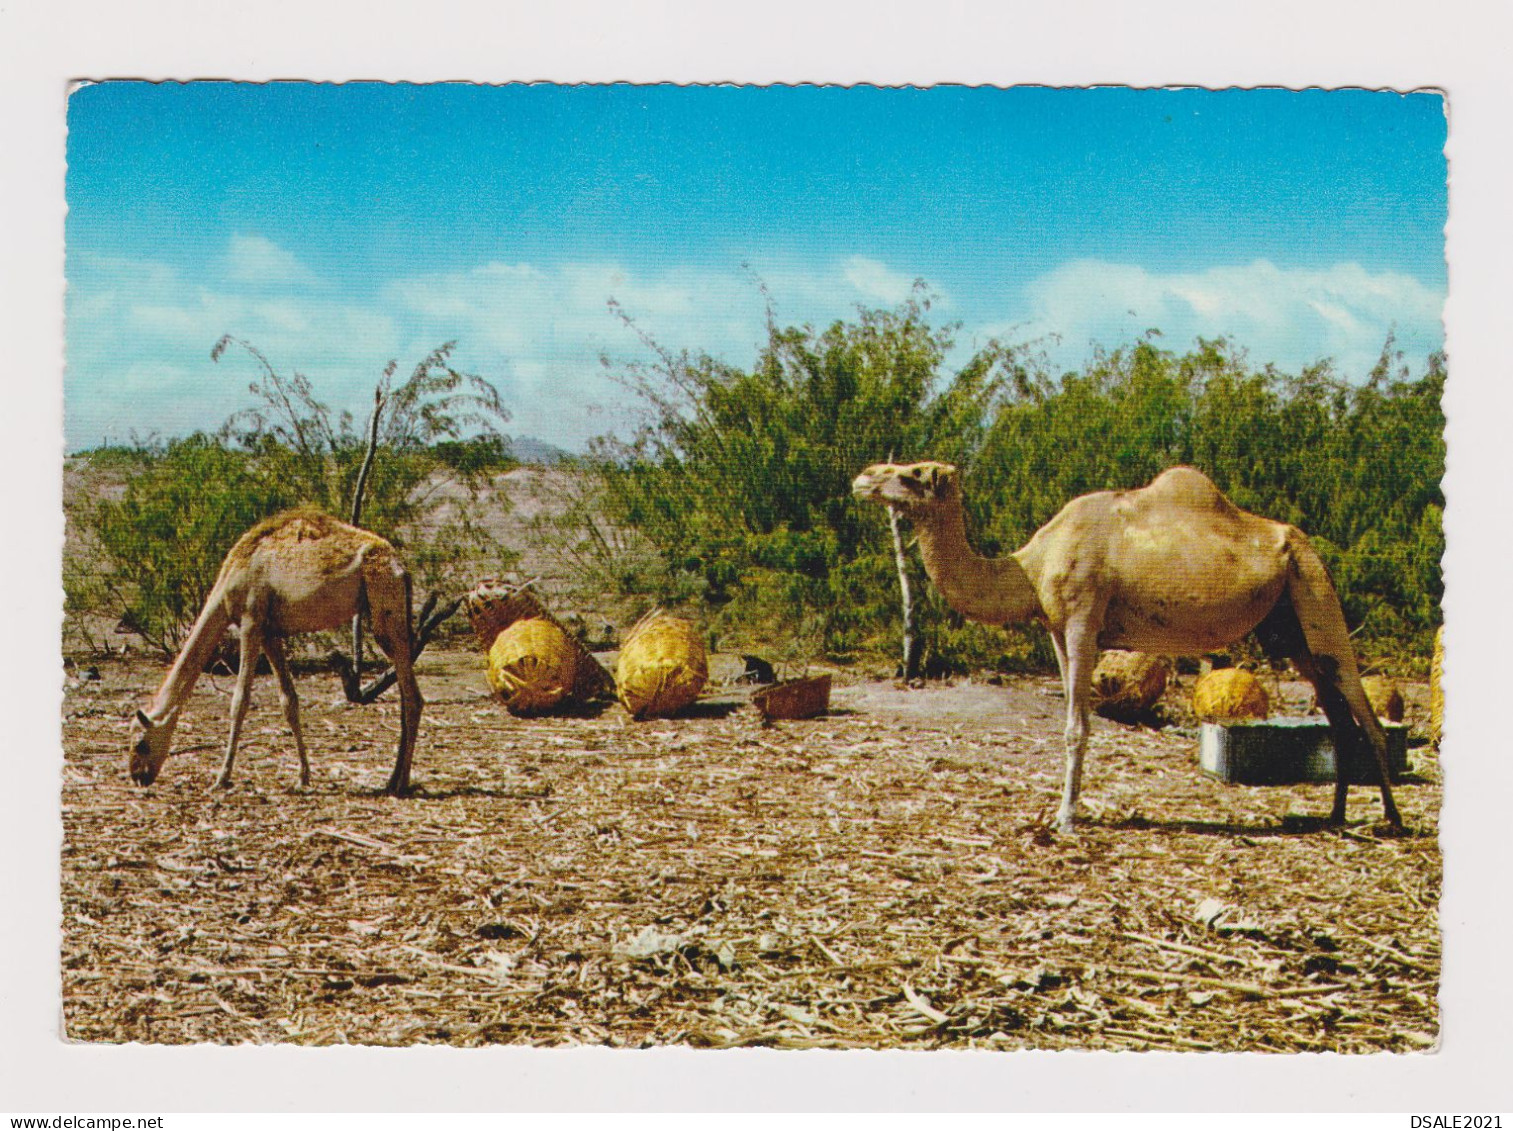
[430, 619]
[911, 656]
[357, 492]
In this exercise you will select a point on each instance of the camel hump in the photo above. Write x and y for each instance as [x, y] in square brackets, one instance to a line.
[301, 524]
[1187, 487]
[378, 557]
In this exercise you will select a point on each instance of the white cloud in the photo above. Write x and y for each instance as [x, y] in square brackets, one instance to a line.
[1290, 316]
[164, 321]
[539, 332]
[139, 335]
[140, 332]
[876, 281]
[260, 261]
[290, 317]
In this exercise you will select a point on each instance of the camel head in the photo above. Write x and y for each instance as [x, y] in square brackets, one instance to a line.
[149, 748]
[907, 487]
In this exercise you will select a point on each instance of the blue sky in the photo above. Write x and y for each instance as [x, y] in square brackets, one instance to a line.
[337, 227]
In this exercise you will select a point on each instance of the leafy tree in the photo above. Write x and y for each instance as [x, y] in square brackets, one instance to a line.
[734, 496]
[186, 502]
[163, 541]
[1357, 467]
[737, 486]
[439, 420]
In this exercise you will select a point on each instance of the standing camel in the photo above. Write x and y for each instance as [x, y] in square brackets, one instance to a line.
[299, 571]
[1173, 567]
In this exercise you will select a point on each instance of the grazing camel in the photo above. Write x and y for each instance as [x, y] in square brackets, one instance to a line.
[1172, 568]
[299, 571]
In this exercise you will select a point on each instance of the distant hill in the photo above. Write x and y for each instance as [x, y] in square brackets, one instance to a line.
[528, 449]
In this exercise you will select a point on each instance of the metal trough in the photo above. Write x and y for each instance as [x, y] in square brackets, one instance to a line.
[1287, 751]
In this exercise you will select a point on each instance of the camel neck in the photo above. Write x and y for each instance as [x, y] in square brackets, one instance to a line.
[191, 661]
[991, 590]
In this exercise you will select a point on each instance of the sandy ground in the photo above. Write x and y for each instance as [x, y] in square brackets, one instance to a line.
[882, 876]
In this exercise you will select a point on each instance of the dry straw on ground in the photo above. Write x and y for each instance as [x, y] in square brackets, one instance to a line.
[884, 876]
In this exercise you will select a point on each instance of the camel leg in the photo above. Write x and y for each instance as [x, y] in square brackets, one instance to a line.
[1335, 676]
[1081, 655]
[1369, 728]
[1058, 642]
[1341, 727]
[391, 630]
[240, 697]
[410, 706]
[1352, 728]
[288, 700]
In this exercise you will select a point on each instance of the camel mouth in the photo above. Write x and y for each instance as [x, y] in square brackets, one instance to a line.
[883, 487]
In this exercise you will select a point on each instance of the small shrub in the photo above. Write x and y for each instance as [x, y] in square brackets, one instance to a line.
[156, 551]
[163, 542]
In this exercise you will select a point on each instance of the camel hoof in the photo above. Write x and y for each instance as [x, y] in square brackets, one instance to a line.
[223, 782]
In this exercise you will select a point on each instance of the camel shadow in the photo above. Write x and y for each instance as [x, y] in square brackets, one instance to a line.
[592, 709]
[1290, 825]
[829, 713]
[428, 793]
[709, 709]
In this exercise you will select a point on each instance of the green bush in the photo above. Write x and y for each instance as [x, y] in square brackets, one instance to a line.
[1356, 467]
[163, 541]
[734, 499]
[154, 553]
[739, 486]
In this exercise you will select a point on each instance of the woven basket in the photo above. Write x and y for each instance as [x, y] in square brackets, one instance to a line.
[495, 605]
[794, 698]
[1230, 694]
[662, 666]
[532, 666]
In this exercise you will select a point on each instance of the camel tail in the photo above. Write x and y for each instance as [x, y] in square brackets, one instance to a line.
[1317, 606]
[1319, 613]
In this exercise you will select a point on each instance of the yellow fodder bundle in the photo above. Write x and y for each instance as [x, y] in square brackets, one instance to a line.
[1128, 682]
[1384, 696]
[532, 666]
[662, 666]
[1436, 687]
[1227, 694]
[495, 605]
